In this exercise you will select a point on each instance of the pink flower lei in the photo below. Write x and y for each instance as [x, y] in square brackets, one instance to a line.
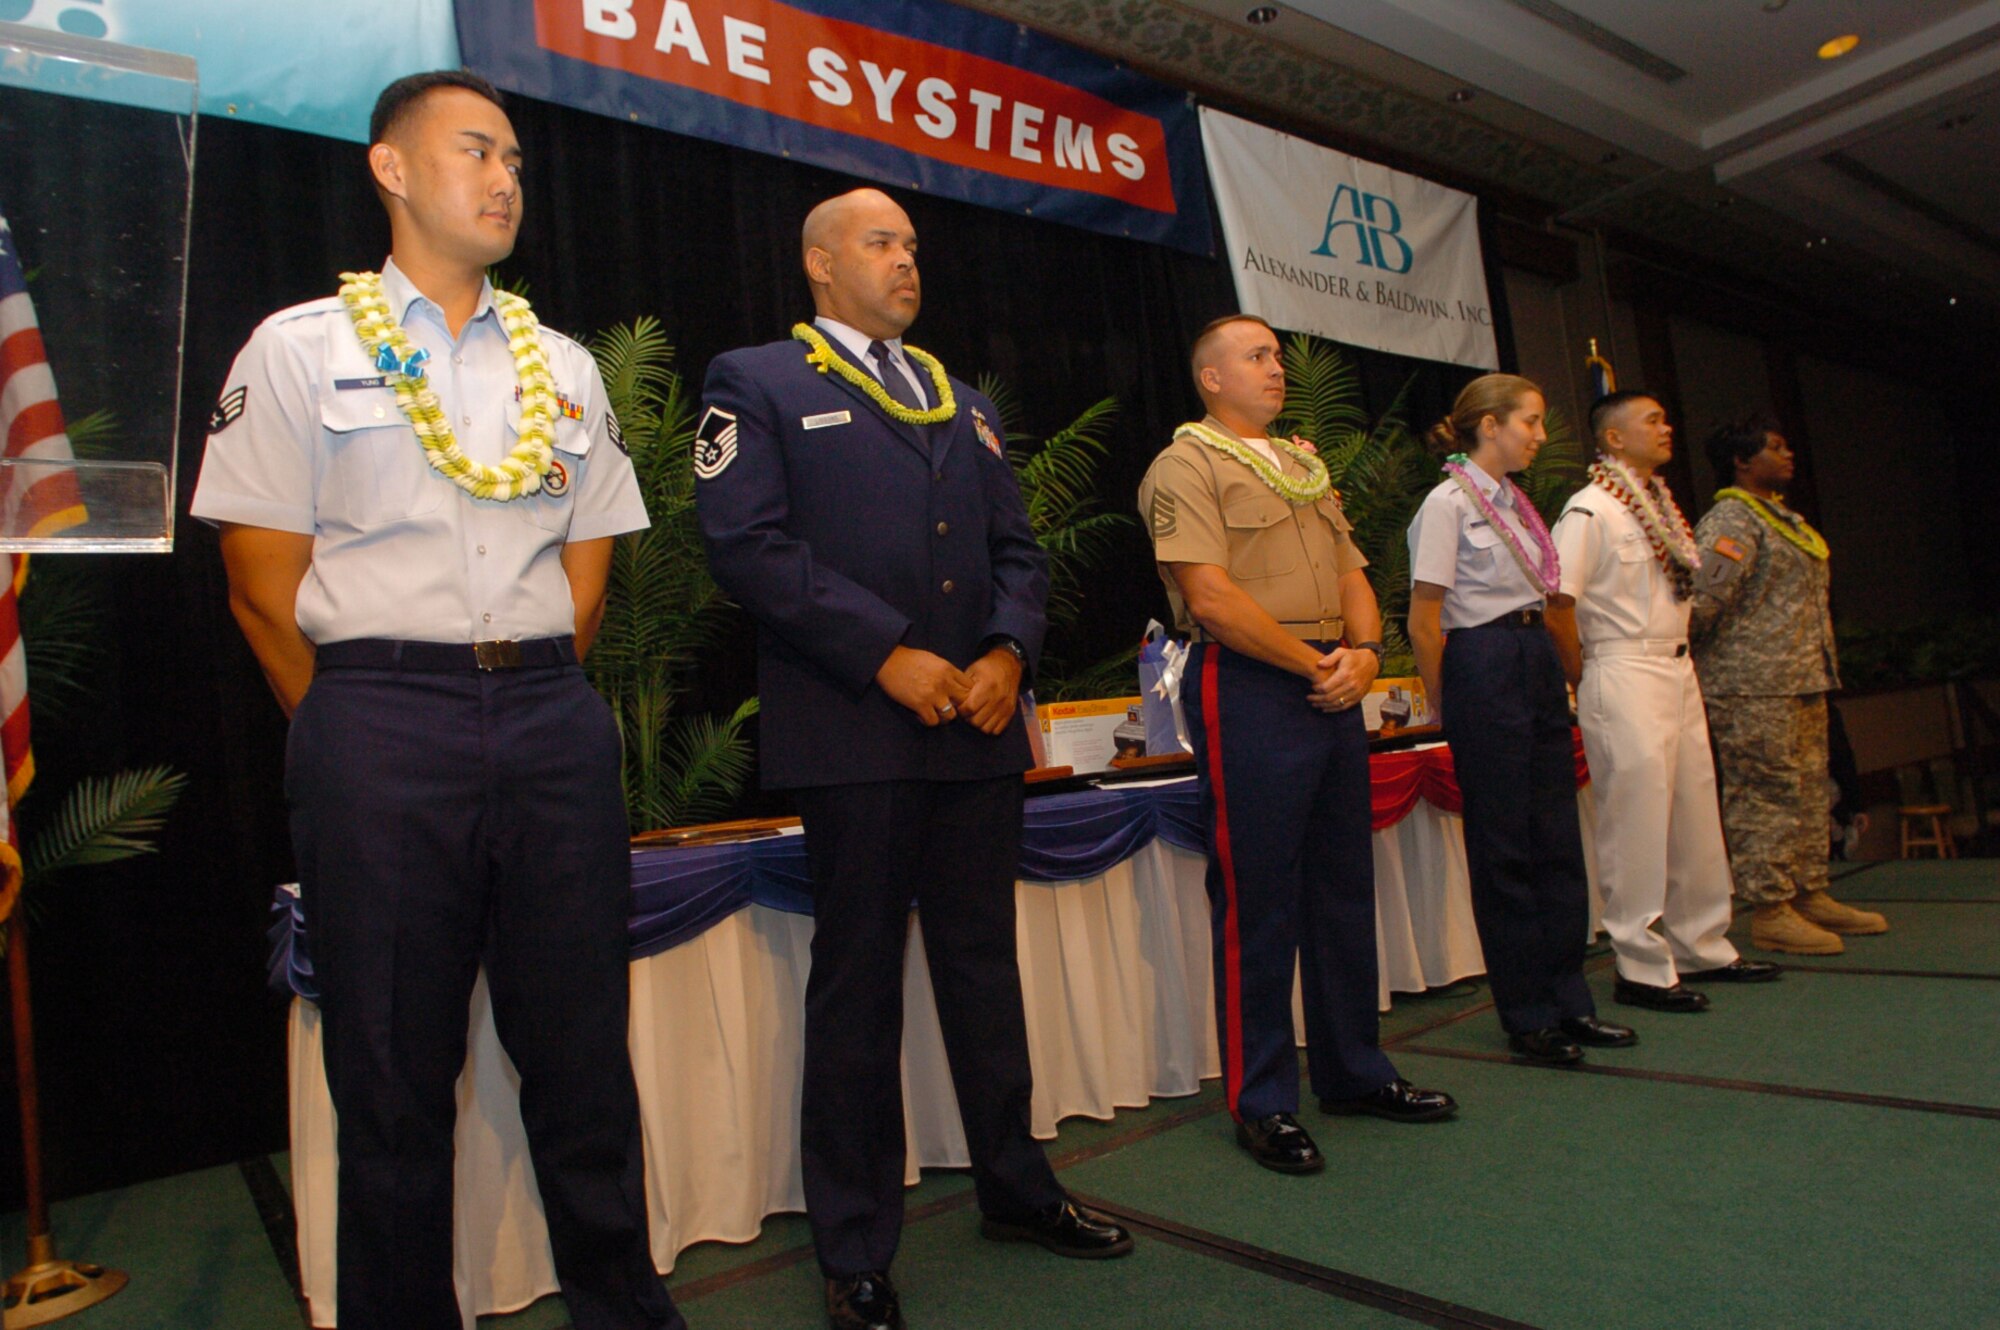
[1546, 577]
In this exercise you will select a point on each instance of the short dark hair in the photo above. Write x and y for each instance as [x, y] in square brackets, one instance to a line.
[1209, 329]
[400, 98]
[1737, 441]
[1607, 406]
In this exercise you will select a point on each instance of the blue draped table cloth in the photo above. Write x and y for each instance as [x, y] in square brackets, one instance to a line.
[1113, 936]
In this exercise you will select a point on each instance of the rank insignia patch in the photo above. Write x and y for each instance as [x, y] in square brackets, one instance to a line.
[714, 443]
[617, 434]
[228, 409]
[986, 434]
[1166, 517]
[1729, 549]
[556, 483]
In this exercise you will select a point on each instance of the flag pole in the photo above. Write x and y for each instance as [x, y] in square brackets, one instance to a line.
[49, 1288]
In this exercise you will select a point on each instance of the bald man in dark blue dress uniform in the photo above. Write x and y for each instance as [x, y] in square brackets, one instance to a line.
[859, 503]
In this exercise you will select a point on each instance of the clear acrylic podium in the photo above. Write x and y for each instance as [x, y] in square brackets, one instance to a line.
[96, 178]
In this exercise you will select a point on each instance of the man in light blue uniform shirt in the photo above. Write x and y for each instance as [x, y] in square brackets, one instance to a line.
[453, 779]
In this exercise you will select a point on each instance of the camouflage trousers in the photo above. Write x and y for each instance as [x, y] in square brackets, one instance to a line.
[1772, 761]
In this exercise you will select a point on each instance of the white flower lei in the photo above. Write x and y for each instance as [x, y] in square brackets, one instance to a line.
[1297, 492]
[1665, 525]
[530, 458]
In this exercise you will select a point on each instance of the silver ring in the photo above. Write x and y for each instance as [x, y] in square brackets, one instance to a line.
[947, 709]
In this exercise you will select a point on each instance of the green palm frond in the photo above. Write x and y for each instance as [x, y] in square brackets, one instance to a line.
[1322, 391]
[1007, 403]
[62, 619]
[516, 285]
[1114, 676]
[104, 819]
[91, 436]
[709, 760]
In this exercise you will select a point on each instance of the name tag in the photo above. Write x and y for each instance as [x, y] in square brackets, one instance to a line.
[829, 418]
[349, 385]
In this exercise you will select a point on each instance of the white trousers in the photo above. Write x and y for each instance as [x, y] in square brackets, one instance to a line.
[1660, 857]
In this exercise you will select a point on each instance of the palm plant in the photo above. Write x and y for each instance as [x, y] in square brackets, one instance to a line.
[1058, 482]
[99, 819]
[1379, 467]
[661, 607]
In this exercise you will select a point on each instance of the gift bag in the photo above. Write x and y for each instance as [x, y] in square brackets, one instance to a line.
[1160, 662]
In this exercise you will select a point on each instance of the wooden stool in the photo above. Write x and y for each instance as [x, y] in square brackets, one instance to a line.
[1914, 817]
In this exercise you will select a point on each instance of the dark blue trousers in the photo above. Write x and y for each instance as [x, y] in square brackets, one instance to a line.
[954, 848]
[1291, 882]
[1506, 718]
[444, 821]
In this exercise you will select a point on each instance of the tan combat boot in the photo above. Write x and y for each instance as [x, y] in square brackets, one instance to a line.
[1822, 909]
[1781, 928]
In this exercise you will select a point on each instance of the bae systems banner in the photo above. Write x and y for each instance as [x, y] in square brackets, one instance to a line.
[1328, 244]
[913, 94]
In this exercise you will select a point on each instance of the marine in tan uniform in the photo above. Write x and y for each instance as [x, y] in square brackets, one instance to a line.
[1764, 651]
[1262, 572]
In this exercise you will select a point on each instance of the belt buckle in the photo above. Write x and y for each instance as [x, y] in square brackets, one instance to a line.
[502, 655]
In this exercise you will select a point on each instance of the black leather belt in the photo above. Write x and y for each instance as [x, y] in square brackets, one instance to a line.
[378, 653]
[1528, 618]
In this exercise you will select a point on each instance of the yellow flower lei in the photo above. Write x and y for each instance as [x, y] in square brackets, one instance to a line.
[1296, 492]
[530, 458]
[1803, 535]
[827, 359]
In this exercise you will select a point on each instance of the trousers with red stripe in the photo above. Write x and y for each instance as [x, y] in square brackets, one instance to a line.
[1291, 880]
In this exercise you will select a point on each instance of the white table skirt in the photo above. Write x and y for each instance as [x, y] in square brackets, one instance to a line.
[1115, 973]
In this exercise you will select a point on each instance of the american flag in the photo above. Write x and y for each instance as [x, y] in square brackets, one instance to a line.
[41, 503]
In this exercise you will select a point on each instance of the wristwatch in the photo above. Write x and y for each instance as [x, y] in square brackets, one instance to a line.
[1020, 654]
[1375, 647]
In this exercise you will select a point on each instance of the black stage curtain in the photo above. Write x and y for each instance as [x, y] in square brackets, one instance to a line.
[161, 1048]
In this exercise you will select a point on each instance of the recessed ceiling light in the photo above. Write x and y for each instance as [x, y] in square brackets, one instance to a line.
[1261, 15]
[1839, 47]
[1460, 95]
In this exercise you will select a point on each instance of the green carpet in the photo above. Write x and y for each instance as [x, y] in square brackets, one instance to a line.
[1558, 1200]
[1575, 1201]
[193, 1245]
[1901, 879]
[1931, 1039]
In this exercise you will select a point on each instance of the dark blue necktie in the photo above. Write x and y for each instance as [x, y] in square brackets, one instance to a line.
[894, 379]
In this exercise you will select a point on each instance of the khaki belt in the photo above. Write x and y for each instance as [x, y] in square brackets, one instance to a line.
[1314, 630]
[1636, 646]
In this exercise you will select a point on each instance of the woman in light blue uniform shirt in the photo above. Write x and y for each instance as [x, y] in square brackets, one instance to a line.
[1483, 571]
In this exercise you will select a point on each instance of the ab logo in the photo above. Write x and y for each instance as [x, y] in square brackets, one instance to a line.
[1376, 221]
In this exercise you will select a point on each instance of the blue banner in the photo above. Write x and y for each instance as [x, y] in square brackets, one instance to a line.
[913, 94]
[315, 67]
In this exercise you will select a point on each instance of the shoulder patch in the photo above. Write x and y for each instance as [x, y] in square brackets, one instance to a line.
[617, 435]
[1165, 515]
[714, 443]
[228, 409]
[1728, 548]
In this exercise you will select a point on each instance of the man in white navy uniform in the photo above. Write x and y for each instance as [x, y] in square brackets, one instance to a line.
[453, 779]
[1628, 558]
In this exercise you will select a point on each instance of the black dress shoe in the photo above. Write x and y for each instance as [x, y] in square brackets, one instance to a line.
[1599, 1034]
[1398, 1101]
[1279, 1143]
[863, 1302]
[1655, 998]
[1066, 1228]
[1736, 972]
[1550, 1046]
